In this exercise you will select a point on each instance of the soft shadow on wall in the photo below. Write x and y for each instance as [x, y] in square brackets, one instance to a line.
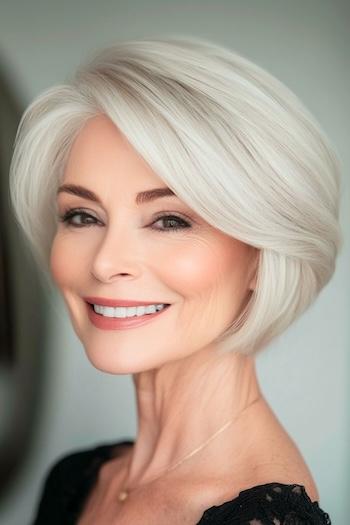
[22, 316]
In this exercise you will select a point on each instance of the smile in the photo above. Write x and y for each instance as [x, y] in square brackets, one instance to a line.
[129, 311]
[118, 318]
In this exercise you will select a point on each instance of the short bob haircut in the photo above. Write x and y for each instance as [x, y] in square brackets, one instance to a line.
[233, 142]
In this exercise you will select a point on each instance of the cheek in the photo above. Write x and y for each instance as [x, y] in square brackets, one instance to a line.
[56, 262]
[192, 266]
[207, 267]
[63, 261]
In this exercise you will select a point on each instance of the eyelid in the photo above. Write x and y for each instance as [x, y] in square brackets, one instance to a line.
[179, 215]
[76, 210]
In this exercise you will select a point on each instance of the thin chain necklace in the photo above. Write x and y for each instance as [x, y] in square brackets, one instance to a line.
[124, 493]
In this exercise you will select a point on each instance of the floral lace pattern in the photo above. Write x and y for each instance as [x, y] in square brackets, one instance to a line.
[269, 504]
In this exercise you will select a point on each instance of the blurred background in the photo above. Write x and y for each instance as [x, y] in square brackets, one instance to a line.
[45, 378]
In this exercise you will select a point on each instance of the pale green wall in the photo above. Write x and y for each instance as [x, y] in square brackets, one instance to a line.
[305, 374]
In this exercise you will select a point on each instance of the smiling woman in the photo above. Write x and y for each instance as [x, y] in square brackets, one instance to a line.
[119, 232]
[190, 216]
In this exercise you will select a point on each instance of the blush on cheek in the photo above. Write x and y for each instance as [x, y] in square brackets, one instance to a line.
[194, 270]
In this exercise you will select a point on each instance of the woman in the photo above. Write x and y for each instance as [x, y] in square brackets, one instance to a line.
[185, 204]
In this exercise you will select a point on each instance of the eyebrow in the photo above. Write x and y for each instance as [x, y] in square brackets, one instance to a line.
[141, 198]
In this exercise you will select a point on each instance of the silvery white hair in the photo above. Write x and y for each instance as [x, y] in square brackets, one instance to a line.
[233, 142]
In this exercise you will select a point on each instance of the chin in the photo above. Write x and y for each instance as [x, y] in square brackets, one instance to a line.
[115, 362]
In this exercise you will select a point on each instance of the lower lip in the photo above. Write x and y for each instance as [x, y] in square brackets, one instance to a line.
[115, 323]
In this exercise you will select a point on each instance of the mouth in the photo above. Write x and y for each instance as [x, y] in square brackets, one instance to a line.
[116, 318]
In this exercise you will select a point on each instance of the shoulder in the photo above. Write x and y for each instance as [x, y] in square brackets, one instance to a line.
[67, 480]
[266, 504]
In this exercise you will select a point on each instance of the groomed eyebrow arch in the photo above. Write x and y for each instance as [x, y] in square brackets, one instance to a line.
[141, 198]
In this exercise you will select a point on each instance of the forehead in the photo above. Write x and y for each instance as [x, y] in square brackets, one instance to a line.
[101, 153]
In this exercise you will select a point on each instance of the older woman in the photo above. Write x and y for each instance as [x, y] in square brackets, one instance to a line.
[185, 204]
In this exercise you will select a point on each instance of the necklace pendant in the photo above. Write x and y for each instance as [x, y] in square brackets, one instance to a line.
[123, 494]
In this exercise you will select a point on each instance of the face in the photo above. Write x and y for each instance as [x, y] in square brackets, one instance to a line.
[113, 246]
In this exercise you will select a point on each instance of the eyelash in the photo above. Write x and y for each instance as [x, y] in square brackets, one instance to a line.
[70, 213]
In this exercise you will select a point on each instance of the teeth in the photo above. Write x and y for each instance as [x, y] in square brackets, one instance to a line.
[130, 311]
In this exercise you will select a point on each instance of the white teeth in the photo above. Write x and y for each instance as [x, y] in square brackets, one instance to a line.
[141, 310]
[108, 311]
[130, 311]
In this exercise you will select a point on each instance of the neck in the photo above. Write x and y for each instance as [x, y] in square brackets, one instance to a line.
[183, 403]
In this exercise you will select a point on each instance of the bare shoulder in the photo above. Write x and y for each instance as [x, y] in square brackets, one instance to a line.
[275, 457]
[271, 456]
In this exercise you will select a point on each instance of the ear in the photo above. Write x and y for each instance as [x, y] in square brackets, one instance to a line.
[254, 269]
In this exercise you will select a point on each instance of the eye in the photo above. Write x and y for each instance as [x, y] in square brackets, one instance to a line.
[68, 216]
[177, 222]
[85, 220]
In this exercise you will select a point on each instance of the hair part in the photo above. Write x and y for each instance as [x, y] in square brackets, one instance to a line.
[233, 142]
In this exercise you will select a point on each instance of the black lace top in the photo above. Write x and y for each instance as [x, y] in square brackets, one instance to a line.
[70, 480]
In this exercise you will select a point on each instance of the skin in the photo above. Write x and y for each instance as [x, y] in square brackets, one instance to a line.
[185, 391]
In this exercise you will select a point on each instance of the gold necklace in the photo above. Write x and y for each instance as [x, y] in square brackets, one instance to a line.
[124, 493]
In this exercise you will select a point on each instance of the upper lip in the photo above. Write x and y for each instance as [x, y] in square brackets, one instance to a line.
[103, 301]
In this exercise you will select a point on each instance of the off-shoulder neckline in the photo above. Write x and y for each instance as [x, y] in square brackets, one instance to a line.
[111, 450]
[80, 470]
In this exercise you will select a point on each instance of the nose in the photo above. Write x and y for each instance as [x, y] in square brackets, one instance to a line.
[116, 256]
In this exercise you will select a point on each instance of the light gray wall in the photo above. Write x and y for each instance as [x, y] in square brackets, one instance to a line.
[305, 373]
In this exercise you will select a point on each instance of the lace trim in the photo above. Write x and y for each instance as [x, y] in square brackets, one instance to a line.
[268, 504]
